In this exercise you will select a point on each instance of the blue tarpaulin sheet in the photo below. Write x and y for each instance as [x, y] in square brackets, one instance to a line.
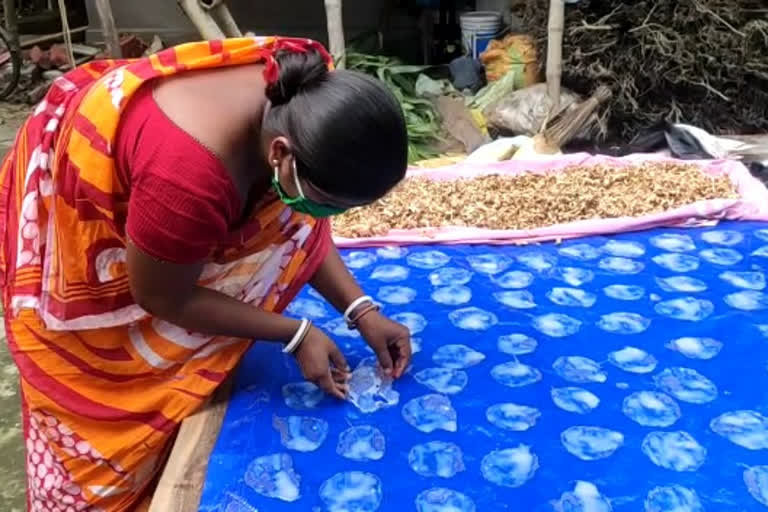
[622, 373]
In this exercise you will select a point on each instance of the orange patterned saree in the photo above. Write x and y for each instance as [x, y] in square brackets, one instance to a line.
[104, 385]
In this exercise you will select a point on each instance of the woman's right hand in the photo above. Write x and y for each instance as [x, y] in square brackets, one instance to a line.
[323, 364]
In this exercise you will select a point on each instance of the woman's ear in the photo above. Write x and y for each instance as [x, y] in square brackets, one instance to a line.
[280, 156]
[279, 152]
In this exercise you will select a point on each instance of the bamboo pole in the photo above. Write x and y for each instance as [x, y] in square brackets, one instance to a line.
[335, 18]
[226, 21]
[108, 28]
[48, 37]
[201, 19]
[67, 33]
[555, 52]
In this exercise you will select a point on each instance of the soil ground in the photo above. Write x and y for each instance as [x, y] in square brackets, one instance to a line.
[11, 445]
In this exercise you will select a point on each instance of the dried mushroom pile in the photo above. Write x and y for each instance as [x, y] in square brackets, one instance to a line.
[534, 200]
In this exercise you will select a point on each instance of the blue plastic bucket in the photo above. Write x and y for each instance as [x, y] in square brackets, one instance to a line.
[482, 42]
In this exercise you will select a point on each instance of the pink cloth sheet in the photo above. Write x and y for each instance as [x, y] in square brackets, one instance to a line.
[752, 205]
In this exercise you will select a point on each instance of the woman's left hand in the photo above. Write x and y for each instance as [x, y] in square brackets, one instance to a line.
[390, 341]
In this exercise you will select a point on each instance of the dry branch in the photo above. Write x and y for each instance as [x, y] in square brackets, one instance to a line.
[702, 62]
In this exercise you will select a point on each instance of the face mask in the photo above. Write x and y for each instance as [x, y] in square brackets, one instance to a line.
[302, 204]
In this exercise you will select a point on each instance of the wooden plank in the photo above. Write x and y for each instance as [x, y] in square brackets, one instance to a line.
[181, 484]
[84, 49]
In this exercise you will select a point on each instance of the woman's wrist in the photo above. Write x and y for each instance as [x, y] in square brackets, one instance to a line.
[358, 310]
[367, 319]
[298, 337]
[286, 328]
[355, 306]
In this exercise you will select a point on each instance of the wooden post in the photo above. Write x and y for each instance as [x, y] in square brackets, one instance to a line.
[201, 19]
[108, 29]
[555, 52]
[335, 18]
[11, 21]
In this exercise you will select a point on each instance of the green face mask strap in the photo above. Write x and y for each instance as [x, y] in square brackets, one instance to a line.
[301, 203]
[279, 188]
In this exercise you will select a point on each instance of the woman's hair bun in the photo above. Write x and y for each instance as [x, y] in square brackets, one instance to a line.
[297, 71]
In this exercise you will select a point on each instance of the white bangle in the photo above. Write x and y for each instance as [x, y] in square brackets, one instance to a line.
[301, 333]
[351, 308]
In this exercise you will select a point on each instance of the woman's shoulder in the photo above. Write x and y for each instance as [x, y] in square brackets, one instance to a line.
[215, 107]
[181, 199]
[151, 146]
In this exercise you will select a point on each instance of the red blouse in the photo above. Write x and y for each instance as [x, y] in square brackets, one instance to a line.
[183, 202]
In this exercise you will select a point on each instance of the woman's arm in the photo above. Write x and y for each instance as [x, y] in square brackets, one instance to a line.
[334, 282]
[170, 291]
[389, 340]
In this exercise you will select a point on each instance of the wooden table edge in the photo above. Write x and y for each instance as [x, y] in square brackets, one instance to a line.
[181, 482]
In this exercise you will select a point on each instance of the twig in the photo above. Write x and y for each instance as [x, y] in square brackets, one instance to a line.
[608, 16]
[719, 18]
[601, 49]
[650, 26]
[586, 27]
[710, 89]
[650, 13]
[600, 24]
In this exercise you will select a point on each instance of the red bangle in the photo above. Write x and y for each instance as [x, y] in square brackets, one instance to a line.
[352, 324]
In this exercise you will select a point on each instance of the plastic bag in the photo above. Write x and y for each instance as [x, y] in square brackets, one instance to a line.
[523, 112]
[516, 52]
[428, 87]
[497, 151]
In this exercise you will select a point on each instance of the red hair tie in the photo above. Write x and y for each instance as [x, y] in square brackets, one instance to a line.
[295, 45]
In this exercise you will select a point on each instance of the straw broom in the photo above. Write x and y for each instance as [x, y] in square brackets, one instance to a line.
[565, 127]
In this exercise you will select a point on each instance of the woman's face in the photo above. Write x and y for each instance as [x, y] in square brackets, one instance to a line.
[280, 157]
